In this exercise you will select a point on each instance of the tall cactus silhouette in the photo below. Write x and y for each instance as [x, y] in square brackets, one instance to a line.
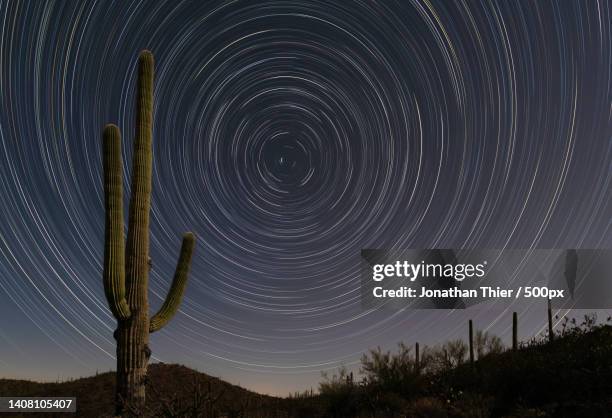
[127, 263]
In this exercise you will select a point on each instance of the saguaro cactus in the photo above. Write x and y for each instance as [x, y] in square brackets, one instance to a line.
[126, 267]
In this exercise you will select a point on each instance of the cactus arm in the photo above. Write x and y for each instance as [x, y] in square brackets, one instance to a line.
[173, 299]
[114, 268]
[137, 248]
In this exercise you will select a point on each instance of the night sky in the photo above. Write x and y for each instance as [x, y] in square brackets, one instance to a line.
[288, 136]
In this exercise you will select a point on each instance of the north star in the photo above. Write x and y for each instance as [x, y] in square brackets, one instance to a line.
[453, 292]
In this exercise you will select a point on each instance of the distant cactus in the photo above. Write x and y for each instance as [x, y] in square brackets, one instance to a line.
[551, 333]
[571, 269]
[514, 331]
[126, 268]
[471, 338]
[417, 366]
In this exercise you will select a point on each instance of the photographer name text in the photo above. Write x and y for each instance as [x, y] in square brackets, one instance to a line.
[456, 292]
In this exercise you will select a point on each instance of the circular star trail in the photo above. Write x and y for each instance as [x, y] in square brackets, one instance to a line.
[288, 136]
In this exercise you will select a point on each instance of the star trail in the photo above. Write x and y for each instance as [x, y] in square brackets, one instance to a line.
[289, 135]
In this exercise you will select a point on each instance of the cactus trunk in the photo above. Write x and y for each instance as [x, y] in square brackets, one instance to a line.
[126, 265]
[132, 359]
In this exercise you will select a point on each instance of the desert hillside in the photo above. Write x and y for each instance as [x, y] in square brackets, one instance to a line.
[173, 390]
[568, 377]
